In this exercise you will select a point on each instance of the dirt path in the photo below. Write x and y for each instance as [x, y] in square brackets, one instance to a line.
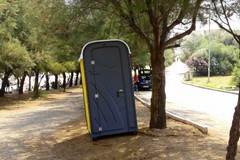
[54, 128]
[24, 130]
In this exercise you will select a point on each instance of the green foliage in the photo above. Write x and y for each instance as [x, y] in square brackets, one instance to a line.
[140, 55]
[69, 66]
[140, 59]
[15, 57]
[50, 34]
[222, 58]
[193, 43]
[8, 14]
[223, 53]
[169, 57]
[57, 68]
[236, 74]
[13, 37]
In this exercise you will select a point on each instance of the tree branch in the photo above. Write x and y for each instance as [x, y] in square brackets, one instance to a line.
[150, 13]
[235, 36]
[129, 17]
[178, 20]
[228, 27]
[173, 46]
[187, 32]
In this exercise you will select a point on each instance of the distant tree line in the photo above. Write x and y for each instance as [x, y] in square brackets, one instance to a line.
[37, 37]
[46, 37]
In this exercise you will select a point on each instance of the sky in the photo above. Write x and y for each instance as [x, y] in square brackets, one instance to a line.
[235, 24]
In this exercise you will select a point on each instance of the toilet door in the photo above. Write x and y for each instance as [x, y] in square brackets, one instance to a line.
[110, 109]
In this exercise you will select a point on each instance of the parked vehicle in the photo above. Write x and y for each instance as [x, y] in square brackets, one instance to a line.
[144, 79]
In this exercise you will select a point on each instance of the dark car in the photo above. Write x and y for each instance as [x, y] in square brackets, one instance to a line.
[144, 79]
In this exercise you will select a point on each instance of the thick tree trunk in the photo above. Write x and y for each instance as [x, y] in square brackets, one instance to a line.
[21, 86]
[158, 100]
[234, 133]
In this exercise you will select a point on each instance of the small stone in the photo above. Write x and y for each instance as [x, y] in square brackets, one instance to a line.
[155, 139]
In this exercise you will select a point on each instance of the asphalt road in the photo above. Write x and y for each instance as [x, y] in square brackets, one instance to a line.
[212, 108]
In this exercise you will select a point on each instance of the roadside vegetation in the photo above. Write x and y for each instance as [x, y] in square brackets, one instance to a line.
[224, 53]
[216, 82]
[224, 59]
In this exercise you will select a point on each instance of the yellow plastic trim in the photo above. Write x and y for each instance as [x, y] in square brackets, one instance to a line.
[85, 96]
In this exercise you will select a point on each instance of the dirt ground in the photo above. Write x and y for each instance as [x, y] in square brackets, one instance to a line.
[54, 128]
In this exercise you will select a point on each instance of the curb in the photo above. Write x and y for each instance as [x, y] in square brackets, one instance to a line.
[202, 128]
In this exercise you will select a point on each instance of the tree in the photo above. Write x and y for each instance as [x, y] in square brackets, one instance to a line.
[22, 32]
[14, 58]
[156, 22]
[44, 40]
[7, 24]
[224, 10]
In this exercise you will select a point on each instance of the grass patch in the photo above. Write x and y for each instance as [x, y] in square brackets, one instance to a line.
[216, 82]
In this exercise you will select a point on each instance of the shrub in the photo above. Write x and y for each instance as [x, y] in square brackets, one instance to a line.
[236, 74]
[198, 64]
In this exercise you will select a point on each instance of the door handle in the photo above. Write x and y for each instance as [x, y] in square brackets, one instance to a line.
[120, 91]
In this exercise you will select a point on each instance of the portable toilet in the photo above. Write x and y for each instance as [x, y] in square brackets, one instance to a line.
[108, 88]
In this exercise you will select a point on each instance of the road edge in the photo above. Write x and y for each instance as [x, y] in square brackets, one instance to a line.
[201, 127]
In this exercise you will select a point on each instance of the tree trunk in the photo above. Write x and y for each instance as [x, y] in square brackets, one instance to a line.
[55, 84]
[2, 91]
[21, 86]
[30, 83]
[234, 133]
[158, 100]
[4, 82]
[47, 82]
[64, 82]
[76, 80]
[36, 85]
[71, 80]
